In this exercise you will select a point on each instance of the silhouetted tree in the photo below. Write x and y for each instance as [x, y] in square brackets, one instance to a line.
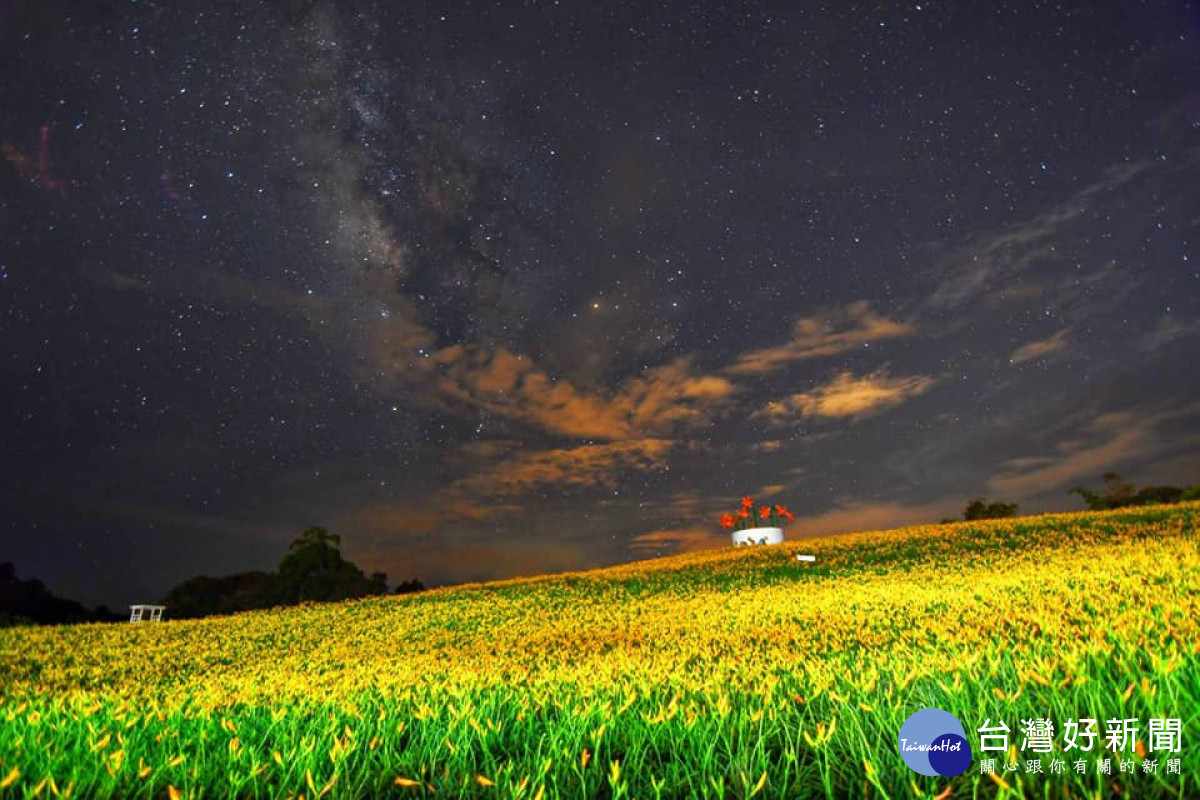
[1116, 491]
[409, 587]
[26, 602]
[1119, 494]
[202, 595]
[980, 508]
[1151, 495]
[314, 569]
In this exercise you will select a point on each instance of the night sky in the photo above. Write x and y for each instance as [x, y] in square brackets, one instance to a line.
[492, 290]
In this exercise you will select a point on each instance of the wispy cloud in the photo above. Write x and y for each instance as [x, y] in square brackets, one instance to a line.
[826, 334]
[1168, 330]
[677, 540]
[1107, 441]
[421, 517]
[848, 396]
[1043, 348]
[873, 516]
[986, 262]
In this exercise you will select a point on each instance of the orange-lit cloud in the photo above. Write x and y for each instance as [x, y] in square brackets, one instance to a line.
[397, 345]
[579, 467]
[678, 540]
[421, 517]
[634, 425]
[848, 396]
[512, 386]
[827, 334]
[1040, 349]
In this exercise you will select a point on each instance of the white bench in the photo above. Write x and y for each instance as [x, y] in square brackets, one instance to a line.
[138, 613]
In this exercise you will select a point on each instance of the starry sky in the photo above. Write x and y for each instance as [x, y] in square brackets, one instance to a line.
[503, 289]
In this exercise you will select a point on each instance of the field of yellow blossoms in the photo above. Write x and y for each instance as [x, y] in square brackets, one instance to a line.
[726, 673]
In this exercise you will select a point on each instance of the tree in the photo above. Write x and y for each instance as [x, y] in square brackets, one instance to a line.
[979, 508]
[314, 569]
[409, 587]
[202, 596]
[25, 602]
[316, 536]
[1118, 494]
[1094, 500]
[1152, 495]
[1116, 491]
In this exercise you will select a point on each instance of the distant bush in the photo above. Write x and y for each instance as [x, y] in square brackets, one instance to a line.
[1117, 493]
[409, 587]
[980, 508]
[29, 602]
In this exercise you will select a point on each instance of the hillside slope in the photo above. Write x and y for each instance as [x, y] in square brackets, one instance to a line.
[706, 674]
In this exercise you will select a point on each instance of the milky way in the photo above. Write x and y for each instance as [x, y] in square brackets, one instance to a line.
[532, 287]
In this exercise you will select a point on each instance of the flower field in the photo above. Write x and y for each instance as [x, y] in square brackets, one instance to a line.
[725, 673]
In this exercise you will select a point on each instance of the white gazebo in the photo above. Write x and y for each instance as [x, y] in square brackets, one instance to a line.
[142, 612]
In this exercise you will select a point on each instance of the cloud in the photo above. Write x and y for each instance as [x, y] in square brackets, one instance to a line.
[317, 310]
[588, 466]
[677, 540]
[1108, 440]
[986, 262]
[119, 280]
[396, 346]
[422, 516]
[827, 334]
[1042, 348]
[870, 517]
[1169, 329]
[510, 385]
[848, 396]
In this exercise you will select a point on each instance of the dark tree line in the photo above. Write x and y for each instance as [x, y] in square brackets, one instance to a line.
[312, 570]
[1116, 493]
[979, 508]
[29, 602]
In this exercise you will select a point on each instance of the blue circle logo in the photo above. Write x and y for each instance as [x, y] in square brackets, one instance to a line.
[933, 742]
